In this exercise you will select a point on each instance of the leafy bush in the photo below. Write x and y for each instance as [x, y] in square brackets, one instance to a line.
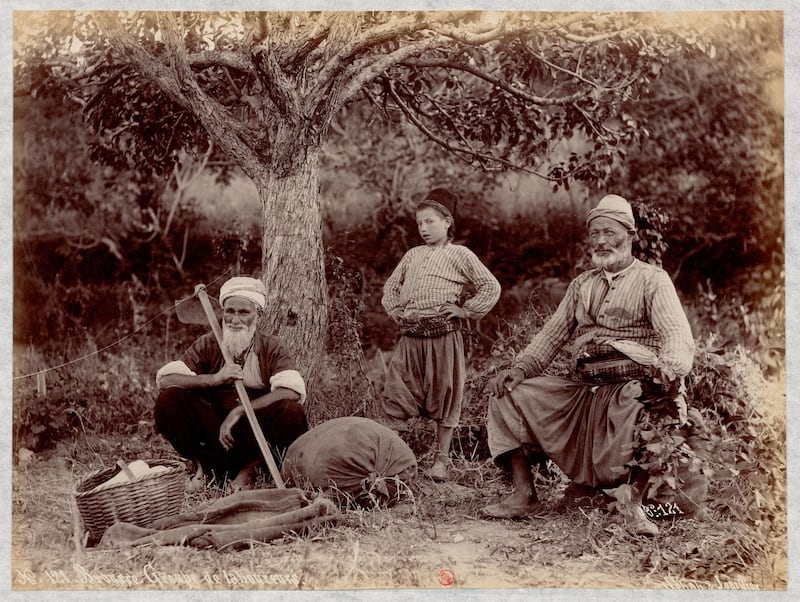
[103, 393]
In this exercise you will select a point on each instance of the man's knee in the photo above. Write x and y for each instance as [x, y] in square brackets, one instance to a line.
[499, 407]
[167, 409]
[177, 409]
[283, 422]
[295, 417]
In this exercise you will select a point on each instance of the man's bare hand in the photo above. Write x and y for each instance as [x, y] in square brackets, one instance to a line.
[506, 381]
[229, 373]
[226, 428]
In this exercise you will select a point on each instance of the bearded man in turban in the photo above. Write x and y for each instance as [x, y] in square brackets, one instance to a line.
[625, 328]
[198, 409]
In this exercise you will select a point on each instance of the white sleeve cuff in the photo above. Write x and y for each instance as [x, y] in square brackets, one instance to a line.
[176, 367]
[289, 379]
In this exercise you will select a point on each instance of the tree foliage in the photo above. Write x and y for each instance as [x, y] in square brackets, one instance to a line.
[576, 99]
[715, 149]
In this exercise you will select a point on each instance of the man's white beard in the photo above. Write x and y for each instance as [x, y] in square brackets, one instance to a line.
[618, 255]
[236, 341]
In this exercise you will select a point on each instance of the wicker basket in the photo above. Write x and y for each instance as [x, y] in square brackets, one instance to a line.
[140, 501]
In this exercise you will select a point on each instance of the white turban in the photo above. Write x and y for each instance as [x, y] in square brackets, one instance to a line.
[246, 287]
[616, 208]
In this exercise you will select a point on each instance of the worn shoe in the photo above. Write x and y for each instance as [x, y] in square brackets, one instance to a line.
[506, 509]
[637, 523]
[195, 484]
[437, 472]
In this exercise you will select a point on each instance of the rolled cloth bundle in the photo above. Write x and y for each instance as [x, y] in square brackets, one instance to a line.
[234, 521]
[351, 459]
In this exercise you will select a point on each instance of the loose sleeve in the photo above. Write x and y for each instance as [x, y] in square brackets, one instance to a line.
[174, 367]
[289, 379]
[392, 287]
[486, 285]
[677, 348]
[204, 356]
[278, 367]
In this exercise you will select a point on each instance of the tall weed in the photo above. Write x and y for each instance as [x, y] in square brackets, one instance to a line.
[344, 387]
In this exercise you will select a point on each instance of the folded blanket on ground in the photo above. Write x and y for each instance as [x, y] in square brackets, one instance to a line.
[234, 521]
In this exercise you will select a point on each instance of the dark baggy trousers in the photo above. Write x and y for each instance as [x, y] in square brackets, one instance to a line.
[190, 421]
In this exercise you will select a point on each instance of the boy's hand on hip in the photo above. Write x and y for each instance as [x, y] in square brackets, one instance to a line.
[452, 311]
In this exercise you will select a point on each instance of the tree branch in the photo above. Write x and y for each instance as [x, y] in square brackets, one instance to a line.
[531, 98]
[485, 159]
[112, 246]
[277, 84]
[574, 74]
[591, 39]
[313, 41]
[437, 105]
[483, 34]
[221, 58]
[394, 29]
[178, 82]
[601, 135]
[361, 73]
[354, 43]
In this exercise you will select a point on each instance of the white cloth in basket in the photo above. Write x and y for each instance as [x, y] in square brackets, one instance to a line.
[139, 468]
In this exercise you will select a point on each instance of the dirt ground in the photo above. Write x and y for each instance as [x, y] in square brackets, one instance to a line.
[434, 539]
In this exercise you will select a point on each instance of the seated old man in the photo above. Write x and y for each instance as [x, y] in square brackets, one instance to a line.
[198, 409]
[625, 327]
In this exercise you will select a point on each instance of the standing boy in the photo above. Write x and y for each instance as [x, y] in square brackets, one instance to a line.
[424, 295]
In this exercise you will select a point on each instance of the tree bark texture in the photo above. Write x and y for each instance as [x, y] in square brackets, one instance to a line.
[293, 260]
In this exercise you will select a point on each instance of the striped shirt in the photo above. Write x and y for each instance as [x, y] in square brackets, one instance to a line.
[430, 276]
[638, 304]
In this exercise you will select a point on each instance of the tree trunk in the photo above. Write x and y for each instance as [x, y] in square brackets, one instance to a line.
[293, 260]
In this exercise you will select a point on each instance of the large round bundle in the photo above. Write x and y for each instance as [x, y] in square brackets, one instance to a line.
[352, 459]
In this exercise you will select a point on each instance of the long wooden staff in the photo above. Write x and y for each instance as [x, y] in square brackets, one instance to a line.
[200, 291]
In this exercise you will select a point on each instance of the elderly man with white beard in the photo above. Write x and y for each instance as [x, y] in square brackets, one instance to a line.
[198, 409]
[625, 328]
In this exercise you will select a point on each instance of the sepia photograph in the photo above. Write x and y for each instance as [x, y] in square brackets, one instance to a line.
[411, 300]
